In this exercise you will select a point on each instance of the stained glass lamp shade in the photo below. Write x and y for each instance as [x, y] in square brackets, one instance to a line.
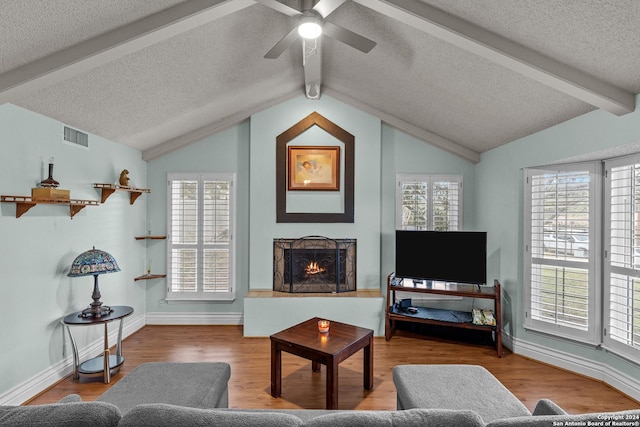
[93, 263]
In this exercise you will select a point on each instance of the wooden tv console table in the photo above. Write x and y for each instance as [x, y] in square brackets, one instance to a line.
[435, 316]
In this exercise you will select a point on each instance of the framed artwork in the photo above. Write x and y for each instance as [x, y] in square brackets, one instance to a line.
[314, 168]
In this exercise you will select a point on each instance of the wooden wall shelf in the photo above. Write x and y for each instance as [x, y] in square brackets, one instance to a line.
[109, 189]
[24, 203]
[150, 276]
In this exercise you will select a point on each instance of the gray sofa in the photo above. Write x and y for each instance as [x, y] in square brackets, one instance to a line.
[166, 394]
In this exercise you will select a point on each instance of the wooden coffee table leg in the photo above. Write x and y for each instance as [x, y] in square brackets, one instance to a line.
[368, 365]
[276, 370]
[332, 384]
[315, 366]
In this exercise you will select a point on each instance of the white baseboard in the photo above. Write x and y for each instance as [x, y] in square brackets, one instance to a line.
[50, 376]
[163, 318]
[587, 367]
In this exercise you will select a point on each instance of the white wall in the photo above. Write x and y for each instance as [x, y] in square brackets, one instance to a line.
[36, 250]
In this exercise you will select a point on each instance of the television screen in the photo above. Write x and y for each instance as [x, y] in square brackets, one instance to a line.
[452, 256]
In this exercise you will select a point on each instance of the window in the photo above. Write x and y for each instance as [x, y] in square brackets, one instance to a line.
[429, 202]
[622, 256]
[561, 251]
[200, 243]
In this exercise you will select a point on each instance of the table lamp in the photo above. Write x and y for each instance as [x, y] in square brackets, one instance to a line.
[93, 263]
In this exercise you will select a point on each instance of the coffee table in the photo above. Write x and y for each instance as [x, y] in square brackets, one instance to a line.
[329, 349]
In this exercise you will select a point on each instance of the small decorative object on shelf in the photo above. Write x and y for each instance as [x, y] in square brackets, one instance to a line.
[109, 189]
[49, 182]
[323, 326]
[124, 178]
[48, 189]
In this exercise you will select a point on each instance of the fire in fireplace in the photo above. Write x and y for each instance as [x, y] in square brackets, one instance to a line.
[313, 268]
[314, 264]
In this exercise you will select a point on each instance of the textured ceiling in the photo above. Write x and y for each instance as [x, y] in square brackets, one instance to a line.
[147, 74]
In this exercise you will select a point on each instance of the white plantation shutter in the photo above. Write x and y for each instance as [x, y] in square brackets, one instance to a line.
[183, 236]
[216, 236]
[560, 251]
[200, 249]
[622, 261]
[445, 202]
[429, 202]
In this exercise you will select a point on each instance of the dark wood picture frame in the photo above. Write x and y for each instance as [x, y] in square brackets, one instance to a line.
[314, 119]
[313, 168]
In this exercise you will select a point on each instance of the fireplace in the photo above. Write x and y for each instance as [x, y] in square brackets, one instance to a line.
[314, 264]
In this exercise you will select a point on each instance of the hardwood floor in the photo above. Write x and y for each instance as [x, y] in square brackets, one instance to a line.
[249, 386]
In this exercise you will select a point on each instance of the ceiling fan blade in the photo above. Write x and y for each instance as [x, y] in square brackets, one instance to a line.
[282, 8]
[325, 7]
[354, 40]
[283, 44]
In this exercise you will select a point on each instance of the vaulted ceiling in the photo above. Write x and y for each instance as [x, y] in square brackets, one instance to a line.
[464, 75]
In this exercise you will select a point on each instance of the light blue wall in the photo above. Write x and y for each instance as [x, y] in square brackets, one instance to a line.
[403, 154]
[265, 127]
[225, 152]
[37, 249]
[380, 152]
[499, 210]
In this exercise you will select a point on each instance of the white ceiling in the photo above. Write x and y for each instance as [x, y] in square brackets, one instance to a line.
[465, 75]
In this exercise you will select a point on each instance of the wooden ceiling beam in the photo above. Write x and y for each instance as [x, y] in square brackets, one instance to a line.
[506, 53]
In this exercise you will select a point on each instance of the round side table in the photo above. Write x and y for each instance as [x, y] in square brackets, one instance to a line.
[106, 364]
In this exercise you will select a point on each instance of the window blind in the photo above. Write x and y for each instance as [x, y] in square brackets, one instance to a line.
[559, 242]
[623, 287]
[429, 202]
[201, 236]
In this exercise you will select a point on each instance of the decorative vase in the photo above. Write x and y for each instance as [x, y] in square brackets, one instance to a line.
[50, 182]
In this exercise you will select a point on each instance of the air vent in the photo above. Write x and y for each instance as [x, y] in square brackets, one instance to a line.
[76, 137]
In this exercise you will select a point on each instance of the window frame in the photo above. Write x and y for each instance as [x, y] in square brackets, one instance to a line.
[200, 294]
[592, 334]
[609, 343]
[429, 179]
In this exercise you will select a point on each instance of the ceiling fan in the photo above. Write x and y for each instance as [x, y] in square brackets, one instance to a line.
[312, 18]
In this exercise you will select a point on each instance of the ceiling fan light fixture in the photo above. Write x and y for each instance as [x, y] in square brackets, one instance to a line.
[309, 27]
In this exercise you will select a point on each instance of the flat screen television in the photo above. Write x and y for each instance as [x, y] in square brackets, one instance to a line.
[451, 256]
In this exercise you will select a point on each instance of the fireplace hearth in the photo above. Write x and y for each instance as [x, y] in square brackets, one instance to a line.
[314, 264]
